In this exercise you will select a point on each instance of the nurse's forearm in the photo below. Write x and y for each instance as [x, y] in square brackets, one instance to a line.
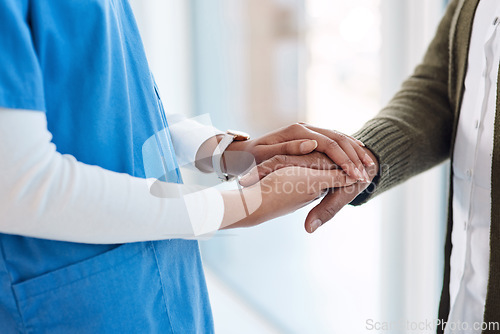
[47, 195]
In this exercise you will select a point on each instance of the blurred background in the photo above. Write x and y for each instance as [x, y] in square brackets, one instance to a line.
[256, 65]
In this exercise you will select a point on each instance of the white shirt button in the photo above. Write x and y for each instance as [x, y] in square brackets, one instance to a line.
[465, 225]
[495, 21]
[469, 173]
[476, 125]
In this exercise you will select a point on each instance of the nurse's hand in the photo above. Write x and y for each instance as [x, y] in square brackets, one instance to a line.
[280, 193]
[299, 139]
[294, 140]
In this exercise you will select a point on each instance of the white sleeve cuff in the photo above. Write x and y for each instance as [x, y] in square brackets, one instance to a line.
[187, 137]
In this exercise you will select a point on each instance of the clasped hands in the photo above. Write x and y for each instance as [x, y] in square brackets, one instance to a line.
[295, 166]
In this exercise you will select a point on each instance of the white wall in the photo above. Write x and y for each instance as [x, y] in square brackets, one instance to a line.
[165, 28]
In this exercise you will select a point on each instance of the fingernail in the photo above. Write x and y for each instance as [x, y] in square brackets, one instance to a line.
[367, 177]
[358, 174]
[368, 158]
[315, 225]
[361, 143]
[308, 146]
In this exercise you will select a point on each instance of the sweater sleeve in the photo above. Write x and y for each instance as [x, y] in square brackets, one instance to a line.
[414, 131]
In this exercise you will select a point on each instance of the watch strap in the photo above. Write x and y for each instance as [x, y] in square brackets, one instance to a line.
[217, 157]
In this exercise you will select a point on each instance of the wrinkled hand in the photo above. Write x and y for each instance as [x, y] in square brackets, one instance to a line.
[300, 139]
[335, 199]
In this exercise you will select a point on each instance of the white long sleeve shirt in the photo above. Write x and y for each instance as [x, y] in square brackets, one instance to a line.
[472, 166]
[47, 195]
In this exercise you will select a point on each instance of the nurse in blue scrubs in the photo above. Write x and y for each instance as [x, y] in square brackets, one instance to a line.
[78, 68]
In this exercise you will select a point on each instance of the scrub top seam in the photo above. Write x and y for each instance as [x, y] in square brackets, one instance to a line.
[164, 295]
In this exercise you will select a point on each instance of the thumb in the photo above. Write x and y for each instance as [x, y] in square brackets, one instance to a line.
[292, 147]
[305, 147]
[331, 204]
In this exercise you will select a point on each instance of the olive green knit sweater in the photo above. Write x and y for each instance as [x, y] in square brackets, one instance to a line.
[417, 129]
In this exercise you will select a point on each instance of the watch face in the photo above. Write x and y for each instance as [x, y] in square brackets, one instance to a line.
[239, 135]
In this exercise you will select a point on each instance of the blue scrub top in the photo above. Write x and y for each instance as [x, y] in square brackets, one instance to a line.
[82, 63]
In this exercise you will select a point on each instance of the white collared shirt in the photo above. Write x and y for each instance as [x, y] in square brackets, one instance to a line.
[472, 165]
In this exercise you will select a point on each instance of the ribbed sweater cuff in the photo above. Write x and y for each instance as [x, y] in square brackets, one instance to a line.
[392, 149]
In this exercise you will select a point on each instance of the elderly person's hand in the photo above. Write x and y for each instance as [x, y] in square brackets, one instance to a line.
[336, 198]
